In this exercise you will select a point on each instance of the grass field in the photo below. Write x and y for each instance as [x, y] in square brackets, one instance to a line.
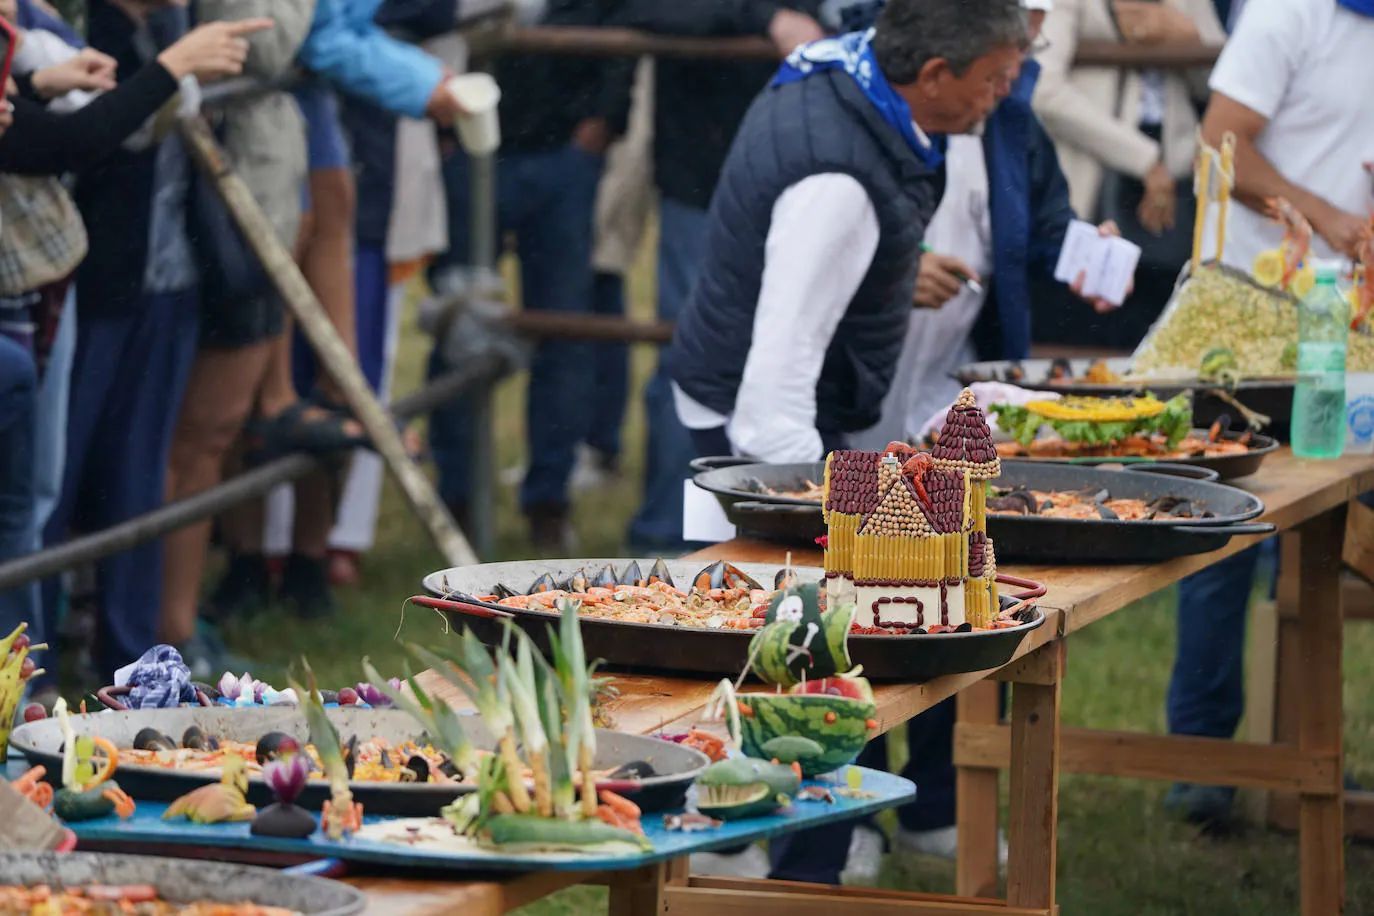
[1119, 855]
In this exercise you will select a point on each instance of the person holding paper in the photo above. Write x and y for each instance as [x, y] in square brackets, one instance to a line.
[1283, 87]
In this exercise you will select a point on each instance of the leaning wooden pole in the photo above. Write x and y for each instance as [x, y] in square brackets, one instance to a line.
[329, 349]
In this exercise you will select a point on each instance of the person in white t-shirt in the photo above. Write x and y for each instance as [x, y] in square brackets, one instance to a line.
[1292, 85]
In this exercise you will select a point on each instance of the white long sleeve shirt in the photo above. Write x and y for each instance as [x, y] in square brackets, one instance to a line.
[821, 242]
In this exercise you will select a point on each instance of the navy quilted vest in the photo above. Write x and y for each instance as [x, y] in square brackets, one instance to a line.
[818, 125]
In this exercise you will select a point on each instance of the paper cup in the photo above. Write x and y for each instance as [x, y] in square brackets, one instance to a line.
[1359, 413]
[480, 129]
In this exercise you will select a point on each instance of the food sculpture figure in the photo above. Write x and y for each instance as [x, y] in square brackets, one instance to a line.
[340, 815]
[16, 668]
[217, 802]
[87, 762]
[286, 777]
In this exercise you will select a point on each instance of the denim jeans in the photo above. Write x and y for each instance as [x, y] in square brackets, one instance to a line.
[611, 383]
[1207, 687]
[546, 200]
[18, 406]
[127, 380]
[50, 448]
[657, 527]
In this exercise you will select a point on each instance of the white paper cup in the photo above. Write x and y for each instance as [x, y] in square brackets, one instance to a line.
[1359, 413]
[479, 130]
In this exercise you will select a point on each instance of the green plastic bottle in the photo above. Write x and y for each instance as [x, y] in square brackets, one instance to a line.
[1319, 398]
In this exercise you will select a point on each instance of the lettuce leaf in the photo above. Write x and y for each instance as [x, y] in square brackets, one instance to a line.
[1023, 425]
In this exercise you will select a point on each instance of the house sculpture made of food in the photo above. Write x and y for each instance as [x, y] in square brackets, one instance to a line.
[907, 531]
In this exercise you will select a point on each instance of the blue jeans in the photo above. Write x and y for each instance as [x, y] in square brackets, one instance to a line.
[611, 383]
[1207, 688]
[370, 290]
[657, 527]
[126, 385]
[546, 200]
[50, 449]
[18, 406]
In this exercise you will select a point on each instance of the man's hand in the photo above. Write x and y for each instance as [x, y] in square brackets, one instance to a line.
[789, 28]
[592, 136]
[212, 51]
[443, 107]
[1101, 306]
[89, 70]
[1146, 21]
[939, 280]
[1341, 230]
[1156, 210]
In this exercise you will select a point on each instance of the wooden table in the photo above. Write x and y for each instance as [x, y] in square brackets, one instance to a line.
[1306, 499]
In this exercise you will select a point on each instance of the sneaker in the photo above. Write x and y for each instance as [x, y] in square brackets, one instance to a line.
[594, 469]
[942, 842]
[1203, 805]
[866, 849]
[244, 589]
[752, 862]
[305, 587]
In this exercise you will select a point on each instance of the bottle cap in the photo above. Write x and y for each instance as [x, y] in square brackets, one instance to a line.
[1328, 269]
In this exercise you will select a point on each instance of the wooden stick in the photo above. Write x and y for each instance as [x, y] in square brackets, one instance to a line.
[1201, 181]
[329, 348]
[1228, 182]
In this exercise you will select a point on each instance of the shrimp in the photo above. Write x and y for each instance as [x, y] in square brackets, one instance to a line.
[1297, 236]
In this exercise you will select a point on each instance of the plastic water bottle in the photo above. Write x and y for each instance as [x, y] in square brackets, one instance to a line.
[1319, 399]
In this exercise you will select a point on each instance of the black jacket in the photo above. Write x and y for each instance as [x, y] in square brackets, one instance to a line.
[544, 96]
[699, 104]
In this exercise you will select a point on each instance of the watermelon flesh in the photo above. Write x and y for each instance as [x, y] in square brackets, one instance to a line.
[839, 725]
[745, 787]
[855, 688]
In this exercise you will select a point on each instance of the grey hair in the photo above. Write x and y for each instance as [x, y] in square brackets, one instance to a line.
[910, 33]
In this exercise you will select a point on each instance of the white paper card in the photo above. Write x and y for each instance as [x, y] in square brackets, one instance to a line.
[1107, 263]
[702, 517]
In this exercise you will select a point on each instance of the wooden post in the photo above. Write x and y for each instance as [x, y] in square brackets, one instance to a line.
[1034, 815]
[1288, 673]
[331, 351]
[1322, 833]
[976, 799]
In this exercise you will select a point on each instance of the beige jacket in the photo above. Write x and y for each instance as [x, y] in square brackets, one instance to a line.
[1093, 112]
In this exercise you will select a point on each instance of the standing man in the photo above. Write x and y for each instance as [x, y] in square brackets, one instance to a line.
[791, 338]
[792, 334]
[1283, 87]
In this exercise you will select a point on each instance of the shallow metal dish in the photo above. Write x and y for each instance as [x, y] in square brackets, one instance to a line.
[185, 881]
[41, 741]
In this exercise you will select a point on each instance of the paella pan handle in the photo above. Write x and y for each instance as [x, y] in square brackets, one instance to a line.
[701, 465]
[1186, 471]
[1032, 589]
[109, 696]
[1229, 530]
[810, 508]
[478, 609]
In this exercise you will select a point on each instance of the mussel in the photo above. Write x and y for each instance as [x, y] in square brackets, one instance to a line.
[1219, 428]
[577, 581]
[1015, 373]
[150, 739]
[1104, 512]
[1060, 370]
[723, 575]
[196, 739]
[544, 583]
[605, 578]
[450, 769]
[631, 575]
[785, 578]
[1176, 507]
[1018, 500]
[634, 769]
[350, 755]
[275, 744]
[659, 573]
[503, 591]
[418, 767]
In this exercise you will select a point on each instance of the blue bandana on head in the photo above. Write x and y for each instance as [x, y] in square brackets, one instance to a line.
[853, 53]
[1363, 7]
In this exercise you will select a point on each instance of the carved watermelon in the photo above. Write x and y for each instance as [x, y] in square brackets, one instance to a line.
[839, 725]
[798, 639]
[742, 787]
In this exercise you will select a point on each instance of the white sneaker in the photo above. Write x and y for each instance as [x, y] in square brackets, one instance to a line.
[865, 857]
[592, 470]
[752, 862]
[942, 842]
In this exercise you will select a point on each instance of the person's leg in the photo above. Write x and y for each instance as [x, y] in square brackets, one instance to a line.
[219, 395]
[129, 471]
[612, 367]
[657, 527]
[18, 403]
[930, 742]
[50, 448]
[558, 192]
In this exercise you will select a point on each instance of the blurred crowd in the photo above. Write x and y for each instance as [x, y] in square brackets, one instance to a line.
[145, 355]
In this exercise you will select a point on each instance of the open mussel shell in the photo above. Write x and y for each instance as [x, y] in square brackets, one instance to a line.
[633, 769]
[631, 575]
[196, 739]
[577, 581]
[150, 739]
[723, 575]
[544, 583]
[1019, 500]
[418, 766]
[659, 573]
[785, 578]
[274, 744]
[350, 755]
[503, 591]
[606, 578]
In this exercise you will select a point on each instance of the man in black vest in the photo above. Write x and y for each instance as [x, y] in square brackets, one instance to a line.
[792, 332]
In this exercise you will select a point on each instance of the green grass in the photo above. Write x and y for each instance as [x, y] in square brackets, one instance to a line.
[1118, 854]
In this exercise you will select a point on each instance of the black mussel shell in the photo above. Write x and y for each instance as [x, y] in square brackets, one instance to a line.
[918, 631]
[1093, 494]
[274, 744]
[964, 627]
[1061, 368]
[544, 583]
[150, 739]
[350, 755]
[631, 575]
[634, 769]
[1175, 507]
[1017, 499]
[1219, 428]
[290, 821]
[659, 573]
[723, 575]
[211, 692]
[196, 739]
[503, 591]
[578, 581]
[606, 578]
[419, 766]
[329, 696]
[1104, 512]
[1015, 373]
[385, 760]
[785, 578]
[450, 769]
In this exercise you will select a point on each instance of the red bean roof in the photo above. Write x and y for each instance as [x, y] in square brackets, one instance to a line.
[853, 482]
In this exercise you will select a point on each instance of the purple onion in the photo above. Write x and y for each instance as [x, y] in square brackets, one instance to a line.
[286, 776]
[229, 686]
[371, 695]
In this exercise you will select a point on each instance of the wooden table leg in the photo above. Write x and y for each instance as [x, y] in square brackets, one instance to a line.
[976, 800]
[1319, 708]
[1033, 820]
[640, 893]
